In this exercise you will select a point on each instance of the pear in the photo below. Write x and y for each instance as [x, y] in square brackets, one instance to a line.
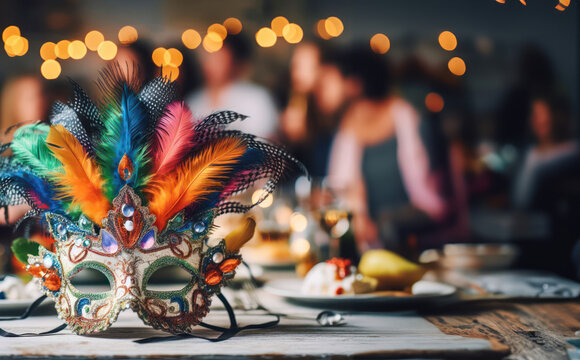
[392, 271]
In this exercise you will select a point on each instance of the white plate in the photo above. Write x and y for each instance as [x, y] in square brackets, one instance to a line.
[424, 293]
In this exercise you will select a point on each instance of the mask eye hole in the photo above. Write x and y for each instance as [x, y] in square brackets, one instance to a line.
[91, 280]
[169, 278]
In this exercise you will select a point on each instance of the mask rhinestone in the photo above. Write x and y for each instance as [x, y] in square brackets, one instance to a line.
[199, 227]
[61, 229]
[47, 261]
[148, 240]
[218, 257]
[127, 210]
[129, 225]
[86, 242]
[109, 243]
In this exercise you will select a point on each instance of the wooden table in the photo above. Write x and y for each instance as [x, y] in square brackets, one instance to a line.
[489, 330]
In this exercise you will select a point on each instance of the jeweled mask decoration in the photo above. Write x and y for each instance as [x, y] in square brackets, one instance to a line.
[128, 187]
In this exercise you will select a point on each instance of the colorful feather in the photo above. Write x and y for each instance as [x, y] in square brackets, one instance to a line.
[124, 143]
[173, 138]
[194, 180]
[81, 178]
[29, 148]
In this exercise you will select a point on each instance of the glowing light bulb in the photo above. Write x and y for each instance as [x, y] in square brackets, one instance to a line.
[107, 50]
[266, 37]
[447, 40]
[233, 25]
[128, 35]
[380, 43]
[457, 66]
[93, 39]
[77, 49]
[191, 39]
[278, 23]
[50, 69]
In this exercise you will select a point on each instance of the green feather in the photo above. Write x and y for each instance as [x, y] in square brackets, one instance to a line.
[29, 148]
[22, 247]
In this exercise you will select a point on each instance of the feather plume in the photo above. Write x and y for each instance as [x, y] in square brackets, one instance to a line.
[173, 138]
[81, 179]
[30, 149]
[124, 136]
[195, 179]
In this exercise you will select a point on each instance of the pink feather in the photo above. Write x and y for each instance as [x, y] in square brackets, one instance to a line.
[173, 138]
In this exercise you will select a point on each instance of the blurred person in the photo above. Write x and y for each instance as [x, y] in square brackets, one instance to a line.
[137, 57]
[553, 151]
[23, 101]
[534, 73]
[226, 89]
[304, 67]
[378, 160]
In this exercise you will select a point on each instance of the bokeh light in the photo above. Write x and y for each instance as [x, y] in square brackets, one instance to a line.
[172, 57]
[321, 29]
[434, 102]
[563, 5]
[191, 39]
[380, 43]
[50, 69]
[169, 72]
[266, 37]
[212, 42]
[233, 25]
[300, 248]
[16, 45]
[107, 50]
[47, 51]
[77, 49]
[93, 39]
[158, 56]
[218, 29]
[447, 40]
[298, 222]
[10, 31]
[61, 49]
[278, 23]
[128, 34]
[457, 66]
[258, 194]
[333, 26]
[293, 33]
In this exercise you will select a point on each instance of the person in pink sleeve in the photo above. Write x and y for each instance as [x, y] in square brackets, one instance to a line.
[379, 165]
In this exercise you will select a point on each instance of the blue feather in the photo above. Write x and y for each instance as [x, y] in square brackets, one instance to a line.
[38, 192]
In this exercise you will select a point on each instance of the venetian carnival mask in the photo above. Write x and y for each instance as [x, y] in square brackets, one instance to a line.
[129, 187]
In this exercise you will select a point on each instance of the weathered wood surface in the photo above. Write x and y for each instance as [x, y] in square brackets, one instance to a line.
[529, 330]
[370, 335]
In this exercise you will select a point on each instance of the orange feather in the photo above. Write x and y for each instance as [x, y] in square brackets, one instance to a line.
[193, 179]
[81, 178]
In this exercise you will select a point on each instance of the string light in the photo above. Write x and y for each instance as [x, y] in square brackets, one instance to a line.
[278, 24]
[266, 37]
[562, 5]
[219, 29]
[447, 40]
[170, 72]
[191, 39]
[457, 66]
[380, 43]
[292, 33]
[47, 51]
[212, 42]
[128, 35]
[172, 57]
[321, 29]
[93, 39]
[333, 26]
[298, 222]
[107, 50]
[77, 49]
[16, 45]
[50, 69]
[10, 31]
[61, 49]
[258, 194]
[233, 25]
[158, 56]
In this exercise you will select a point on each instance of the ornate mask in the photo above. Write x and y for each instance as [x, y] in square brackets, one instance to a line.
[132, 188]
